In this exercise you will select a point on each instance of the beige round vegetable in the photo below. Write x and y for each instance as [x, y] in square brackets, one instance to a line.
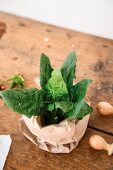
[104, 108]
[98, 143]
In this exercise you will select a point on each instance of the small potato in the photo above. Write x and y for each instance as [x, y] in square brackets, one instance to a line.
[104, 108]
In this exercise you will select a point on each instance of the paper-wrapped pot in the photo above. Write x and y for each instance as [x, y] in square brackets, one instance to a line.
[57, 138]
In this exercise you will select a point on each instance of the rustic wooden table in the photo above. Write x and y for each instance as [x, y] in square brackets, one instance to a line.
[21, 43]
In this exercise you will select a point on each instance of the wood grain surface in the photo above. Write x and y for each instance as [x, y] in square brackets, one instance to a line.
[24, 155]
[21, 43]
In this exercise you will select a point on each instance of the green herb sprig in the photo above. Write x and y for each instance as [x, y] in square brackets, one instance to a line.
[58, 99]
[17, 80]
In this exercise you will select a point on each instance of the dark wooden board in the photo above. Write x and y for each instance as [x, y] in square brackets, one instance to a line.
[24, 155]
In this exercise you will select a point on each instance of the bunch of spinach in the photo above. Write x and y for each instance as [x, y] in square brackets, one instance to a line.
[57, 100]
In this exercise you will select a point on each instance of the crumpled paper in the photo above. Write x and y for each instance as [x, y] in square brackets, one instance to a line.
[57, 138]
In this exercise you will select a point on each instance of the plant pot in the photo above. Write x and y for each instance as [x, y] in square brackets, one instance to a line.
[56, 138]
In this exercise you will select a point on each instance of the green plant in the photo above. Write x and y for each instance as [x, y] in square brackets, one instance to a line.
[57, 100]
[17, 80]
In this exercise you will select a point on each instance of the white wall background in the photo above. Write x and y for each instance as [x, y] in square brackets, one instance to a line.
[90, 16]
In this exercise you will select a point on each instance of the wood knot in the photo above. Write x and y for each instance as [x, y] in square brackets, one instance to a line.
[2, 28]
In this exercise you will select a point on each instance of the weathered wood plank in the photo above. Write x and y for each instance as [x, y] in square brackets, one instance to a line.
[25, 40]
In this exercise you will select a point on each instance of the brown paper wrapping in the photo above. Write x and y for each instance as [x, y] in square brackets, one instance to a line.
[57, 138]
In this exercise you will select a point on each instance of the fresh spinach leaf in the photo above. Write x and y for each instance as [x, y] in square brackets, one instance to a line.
[45, 70]
[78, 91]
[80, 109]
[56, 86]
[64, 105]
[68, 69]
[28, 102]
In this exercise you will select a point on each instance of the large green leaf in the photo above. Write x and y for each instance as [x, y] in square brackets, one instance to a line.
[56, 86]
[79, 110]
[68, 69]
[27, 102]
[45, 70]
[78, 91]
